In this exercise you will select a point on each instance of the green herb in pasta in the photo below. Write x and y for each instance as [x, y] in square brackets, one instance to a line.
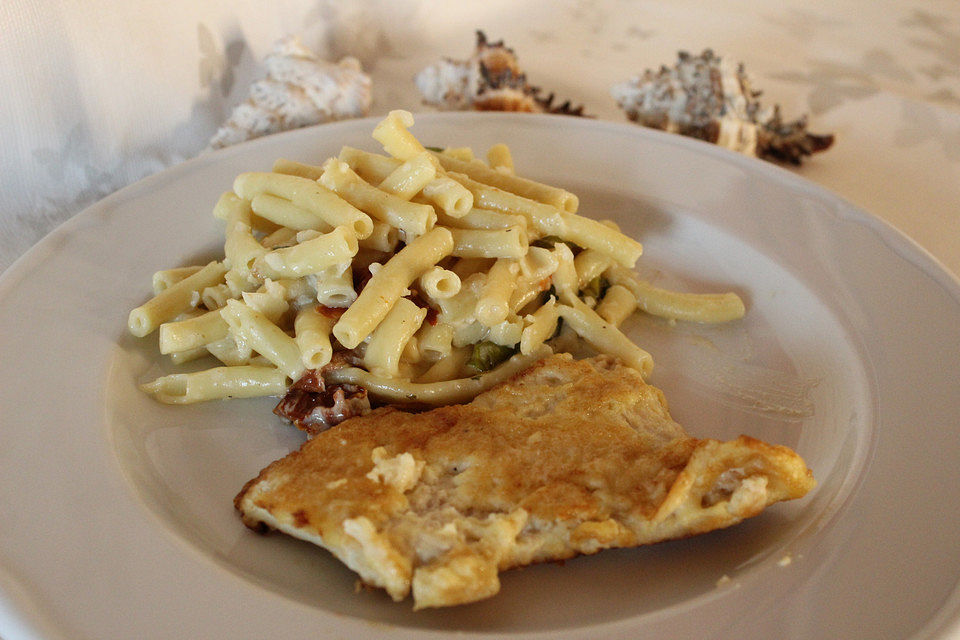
[487, 355]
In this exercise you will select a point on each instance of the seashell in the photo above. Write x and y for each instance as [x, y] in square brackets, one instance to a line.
[703, 97]
[300, 90]
[490, 80]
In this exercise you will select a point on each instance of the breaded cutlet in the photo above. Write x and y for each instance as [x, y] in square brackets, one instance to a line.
[569, 457]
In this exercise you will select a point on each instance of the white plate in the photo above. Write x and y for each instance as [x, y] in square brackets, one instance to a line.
[117, 519]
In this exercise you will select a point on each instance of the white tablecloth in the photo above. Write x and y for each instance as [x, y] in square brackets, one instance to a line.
[99, 94]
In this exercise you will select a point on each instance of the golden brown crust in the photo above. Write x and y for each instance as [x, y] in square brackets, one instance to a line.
[568, 457]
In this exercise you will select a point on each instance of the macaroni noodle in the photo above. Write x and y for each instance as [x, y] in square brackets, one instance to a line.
[422, 276]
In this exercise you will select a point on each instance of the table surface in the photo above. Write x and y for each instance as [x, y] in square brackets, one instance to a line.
[103, 95]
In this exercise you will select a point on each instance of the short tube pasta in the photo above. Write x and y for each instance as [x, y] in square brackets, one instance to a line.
[493, 307]
[489, 243]
[183, 357]
[270, 300]
[590, 264]
[192, 333]
[410, 217]
[438, 283]
[458, 310]
[527, 292]
[393, 134]
[388, 340]
[166, 278]
[174, 300]
[541, 325]
[449, 196]
[216, 296]
[240, 248]
[284, 236]
[372, 167]
[590, 234]
[507, 333]
[307, 194]
[523, 187]
[311, 331]
[565, 280]
[411, 177]
[385, 237]
[294, 168]
[500, 158]
[230, 353]
[435, 340]
[285, 213]
[252, 328]
[482, 219]
[605, 337]
[617, 305]
[309, 257]
[411, 353]
[460, 153]
[543, 218]
[709, 308]
[539, 263]
[388, 285]
[334, 286]
[233, 285]
[220, 382]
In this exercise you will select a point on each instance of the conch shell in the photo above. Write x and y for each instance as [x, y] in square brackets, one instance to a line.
[300, 90]
[705, 98]
[490, 80]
